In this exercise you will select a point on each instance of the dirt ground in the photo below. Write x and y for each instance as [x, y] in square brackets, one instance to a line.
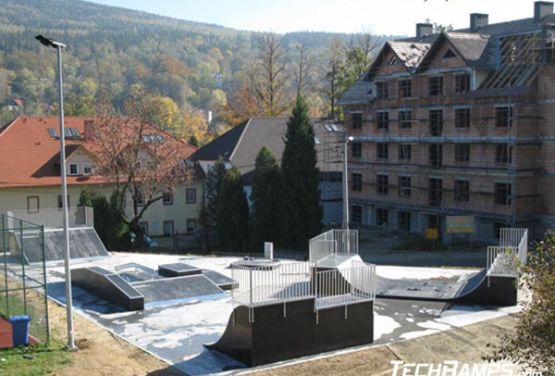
[101, 353]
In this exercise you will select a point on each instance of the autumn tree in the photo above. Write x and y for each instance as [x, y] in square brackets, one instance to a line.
[141, 161]
[301, 212]
[359, 54]
[331, 68]
[534, 340]
[266, 198]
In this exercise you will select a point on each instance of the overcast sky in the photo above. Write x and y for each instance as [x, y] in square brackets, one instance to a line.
[397, 17]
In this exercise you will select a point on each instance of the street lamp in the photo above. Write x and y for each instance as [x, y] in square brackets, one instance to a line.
[69, 300]
[346, 141]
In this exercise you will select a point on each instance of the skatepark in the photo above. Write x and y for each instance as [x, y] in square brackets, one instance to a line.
[206, 315]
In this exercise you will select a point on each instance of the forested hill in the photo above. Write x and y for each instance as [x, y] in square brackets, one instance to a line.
[112, 52]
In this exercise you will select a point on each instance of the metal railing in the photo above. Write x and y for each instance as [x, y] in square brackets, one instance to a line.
[345, 286]
[261, 285]
[333, 242]
[53, 217]
[503, 260]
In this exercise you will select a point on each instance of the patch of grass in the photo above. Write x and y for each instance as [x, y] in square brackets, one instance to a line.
[34, 360]
[35, 309]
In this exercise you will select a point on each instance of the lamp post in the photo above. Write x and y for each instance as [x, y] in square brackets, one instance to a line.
[346, 141]
[69, 300]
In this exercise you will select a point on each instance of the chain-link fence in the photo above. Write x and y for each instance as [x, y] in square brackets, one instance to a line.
[23, 288]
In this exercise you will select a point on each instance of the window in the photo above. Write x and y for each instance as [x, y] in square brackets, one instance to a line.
[435, 86]
[435, 187]
[382, 216]
[60, 204]
[144, 227]
[503, 154]
[382, 119]
[405, 118]
[382, 150]
[405, 151]
[87, 169]
[191, 226]
[167, 198]
[356, 150]
[73, 169]
[382, 184]
[436, 122]
[356, 213]
[462, 83]
[462, 118]
[393, 60]
[356, 120]
[191, 195]
[168, 228]
[504, 117]
[462, 152]
[435, 155]
[449, 54]
[404, 186]
[356, 182]
[403, 220]
[382, 90]
[502, 194]
[33, 206]
[462, 190]
[405, 88]
[497, 226]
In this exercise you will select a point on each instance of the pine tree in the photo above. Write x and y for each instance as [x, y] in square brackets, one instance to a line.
[232, 213]
[265, 199]
[210, 204]
[301, 213]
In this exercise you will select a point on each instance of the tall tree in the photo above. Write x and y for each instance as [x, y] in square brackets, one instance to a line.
[301, 213]
[265, 197]
[333, 65]
[211, 203]
[232, 219]
[359, 55]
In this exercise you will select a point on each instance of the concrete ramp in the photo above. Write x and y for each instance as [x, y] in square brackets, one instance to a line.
[84, 243]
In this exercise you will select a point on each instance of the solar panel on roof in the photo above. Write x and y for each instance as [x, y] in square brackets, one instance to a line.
[52, 132]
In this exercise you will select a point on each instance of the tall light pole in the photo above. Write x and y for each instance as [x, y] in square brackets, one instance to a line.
[69, 300]
[346, 141]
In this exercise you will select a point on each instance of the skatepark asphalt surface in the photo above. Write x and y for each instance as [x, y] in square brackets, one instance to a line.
[176, 330]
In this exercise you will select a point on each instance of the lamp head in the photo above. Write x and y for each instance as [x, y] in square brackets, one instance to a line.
[49, 42]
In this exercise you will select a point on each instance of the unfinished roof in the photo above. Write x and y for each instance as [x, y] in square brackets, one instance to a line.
[410, 53]
[356, 94]
[246, 140]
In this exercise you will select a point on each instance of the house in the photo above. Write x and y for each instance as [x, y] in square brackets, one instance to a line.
[30, 173]
[457, 124]
[240, 146]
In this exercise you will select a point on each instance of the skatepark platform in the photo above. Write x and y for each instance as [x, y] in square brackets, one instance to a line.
[276, 332]
[177, 269]
[84, 243]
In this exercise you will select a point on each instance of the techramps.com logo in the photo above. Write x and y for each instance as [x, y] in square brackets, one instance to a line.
[456, 368]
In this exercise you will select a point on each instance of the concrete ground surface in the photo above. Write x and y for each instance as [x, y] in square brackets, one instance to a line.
[176, 333]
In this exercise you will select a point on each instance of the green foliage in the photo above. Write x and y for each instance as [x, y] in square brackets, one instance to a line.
[35, 360]
[232, 219]
[109, 221]
[301, 213]
[265, 197]
[533, 343]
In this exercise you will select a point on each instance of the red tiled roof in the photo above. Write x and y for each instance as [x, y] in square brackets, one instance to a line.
[29, 156]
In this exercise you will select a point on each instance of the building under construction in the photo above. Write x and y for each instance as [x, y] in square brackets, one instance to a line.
[459, 123]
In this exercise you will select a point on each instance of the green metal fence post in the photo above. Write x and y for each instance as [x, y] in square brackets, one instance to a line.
[23, 267]
[45, 284]
[4, 247]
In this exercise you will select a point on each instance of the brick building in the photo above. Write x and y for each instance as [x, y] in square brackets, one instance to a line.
[457, 123]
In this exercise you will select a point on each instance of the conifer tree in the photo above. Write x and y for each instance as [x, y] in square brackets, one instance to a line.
[210, 204]
[265, 199]
[301, 213]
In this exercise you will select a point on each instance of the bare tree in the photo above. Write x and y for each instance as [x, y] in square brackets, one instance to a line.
[143, 162]
[301, 69]
[332, 67]
[360, 52]
[268, 75]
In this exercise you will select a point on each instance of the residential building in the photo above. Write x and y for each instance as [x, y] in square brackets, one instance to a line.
[458, 124]
[240, 146]
[30, 174]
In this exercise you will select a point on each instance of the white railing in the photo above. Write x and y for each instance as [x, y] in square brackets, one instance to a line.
[333, 242]
[264, 285]
[345, 286]
[53, 217]
[513, 247]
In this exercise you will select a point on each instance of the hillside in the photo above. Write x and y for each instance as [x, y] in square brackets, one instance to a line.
[113, 52]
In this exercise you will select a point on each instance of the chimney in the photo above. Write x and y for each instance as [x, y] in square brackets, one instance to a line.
[90, 132]
[478, 20]
[542, 9]
[423, 29]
